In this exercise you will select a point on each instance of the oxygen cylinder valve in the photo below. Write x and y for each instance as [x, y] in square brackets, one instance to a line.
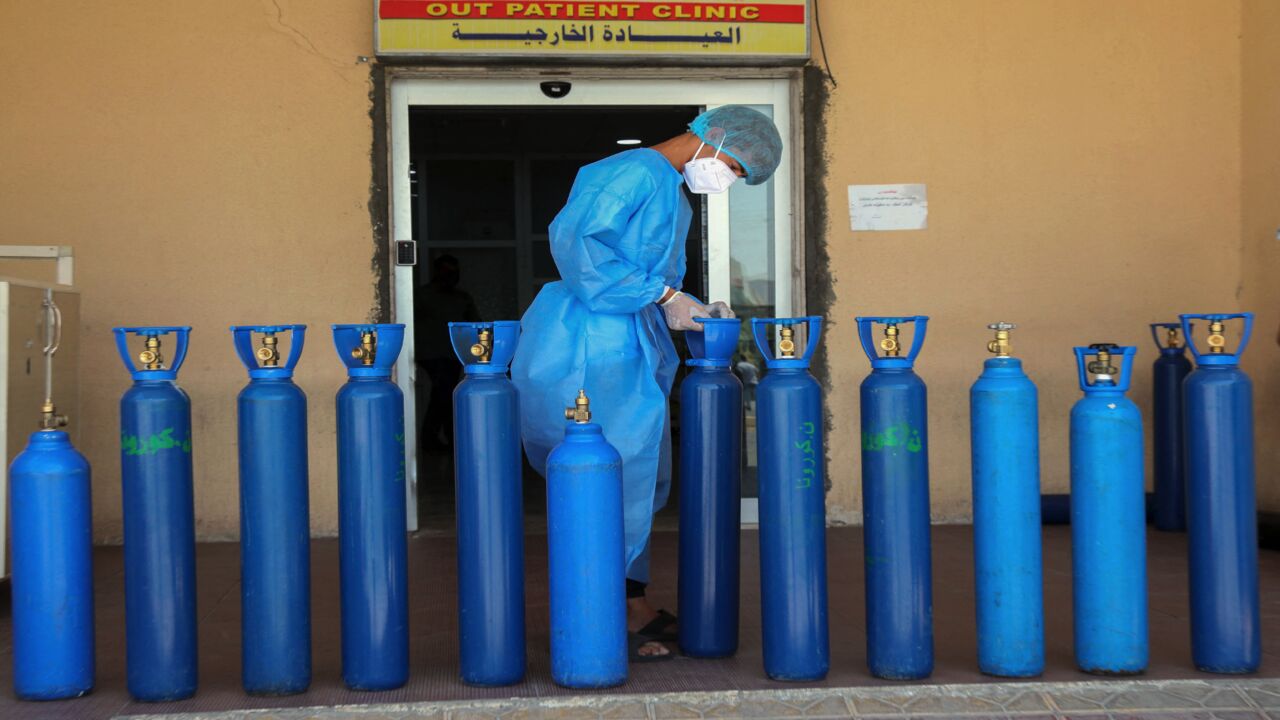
[1101, 366]
[890, 342]
[1000, 347]
[580, 413]
[368, 349]
[1217, 340]
[1172, 337]
[482, 351]
[787, 343]
[151, 358]
[50, 419]
[269, 353]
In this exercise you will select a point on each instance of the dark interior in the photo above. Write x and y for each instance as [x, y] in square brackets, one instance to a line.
[486, 184]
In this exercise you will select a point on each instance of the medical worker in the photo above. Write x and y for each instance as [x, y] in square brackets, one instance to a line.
[604, 327]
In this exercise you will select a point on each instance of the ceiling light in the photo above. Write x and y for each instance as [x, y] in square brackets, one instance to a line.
[629, 141]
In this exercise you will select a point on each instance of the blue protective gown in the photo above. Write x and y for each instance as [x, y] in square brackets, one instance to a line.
[618, 240]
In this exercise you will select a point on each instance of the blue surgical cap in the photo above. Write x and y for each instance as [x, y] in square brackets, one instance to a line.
[744, 134]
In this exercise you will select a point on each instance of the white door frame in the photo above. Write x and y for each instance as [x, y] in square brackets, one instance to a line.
[598, 88]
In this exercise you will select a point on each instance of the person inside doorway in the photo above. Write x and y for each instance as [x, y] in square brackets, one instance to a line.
[619, 244]
[439, 303]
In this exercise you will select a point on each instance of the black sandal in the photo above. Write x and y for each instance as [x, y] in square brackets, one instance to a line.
[656, 628]
[635, 641]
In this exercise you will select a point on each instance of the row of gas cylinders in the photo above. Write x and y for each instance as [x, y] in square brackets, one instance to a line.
[1208, 440]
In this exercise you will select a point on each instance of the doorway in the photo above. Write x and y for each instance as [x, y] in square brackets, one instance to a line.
[479, 168]
[486, 182]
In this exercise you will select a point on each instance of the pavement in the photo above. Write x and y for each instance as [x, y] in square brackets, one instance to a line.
[1225, 699]
[685, 687]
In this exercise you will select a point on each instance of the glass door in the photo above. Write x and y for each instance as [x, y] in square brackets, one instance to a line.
[749, 262]
[749, 234]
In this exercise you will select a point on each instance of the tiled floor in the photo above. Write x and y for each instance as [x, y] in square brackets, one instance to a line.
[732, 682]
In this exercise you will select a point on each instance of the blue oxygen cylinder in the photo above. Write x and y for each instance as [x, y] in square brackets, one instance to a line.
[793, 544]
[372, 545]
[710, 492]
[490, 505]
[1167, 374]
[1222, 525]
[895, 503]
[275, 531]
[1005, 433]
[585, 556]
[52, 572]
[1108, 520]
[159, 520]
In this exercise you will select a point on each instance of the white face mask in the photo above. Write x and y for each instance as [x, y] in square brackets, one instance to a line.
[708, 175]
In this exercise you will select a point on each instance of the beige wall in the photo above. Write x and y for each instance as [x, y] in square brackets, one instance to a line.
[210, 163]
[1083, 160]
[1260, 31]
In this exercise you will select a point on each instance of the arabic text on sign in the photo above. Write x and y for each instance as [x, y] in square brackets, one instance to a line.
[587, 34]
[595, 10]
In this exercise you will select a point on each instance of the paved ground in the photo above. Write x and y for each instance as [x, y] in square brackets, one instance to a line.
[1223, 699]
[433, 640]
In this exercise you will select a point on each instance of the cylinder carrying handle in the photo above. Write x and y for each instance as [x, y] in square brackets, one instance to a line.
[485, 347]
[1216, 355]
[1171, 330]
[866, 326]
[1107, 351]
[181, 333]
[368, 350]
[785, 356]
[258, 367]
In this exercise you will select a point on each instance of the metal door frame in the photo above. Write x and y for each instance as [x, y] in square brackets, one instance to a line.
[599, 87]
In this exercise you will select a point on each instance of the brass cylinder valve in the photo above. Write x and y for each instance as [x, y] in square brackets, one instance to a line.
[1101, 364]
[581, 410]
[787, 342]
[1000, 346]
[890, 344]
[269, 353]
[1171, 337]
[151, 358]
[1217, 341]
[50, 419]
[483, 349]
[368, 348]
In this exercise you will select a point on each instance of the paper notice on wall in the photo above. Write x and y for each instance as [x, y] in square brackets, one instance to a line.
[888, 207]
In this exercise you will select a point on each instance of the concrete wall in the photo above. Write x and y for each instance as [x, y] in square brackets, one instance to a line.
[1260, 284]
[1082, 160]
[211, 165]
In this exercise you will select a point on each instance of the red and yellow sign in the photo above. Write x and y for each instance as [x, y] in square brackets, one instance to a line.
[716, 29]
